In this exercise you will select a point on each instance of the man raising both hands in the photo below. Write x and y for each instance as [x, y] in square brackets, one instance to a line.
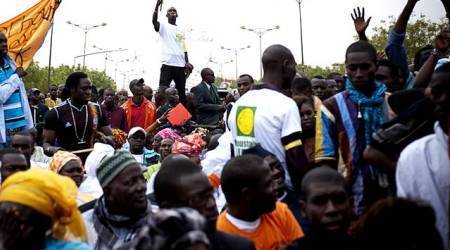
[174, 54]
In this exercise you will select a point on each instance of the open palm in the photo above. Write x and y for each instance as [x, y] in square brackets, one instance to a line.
[359, 20]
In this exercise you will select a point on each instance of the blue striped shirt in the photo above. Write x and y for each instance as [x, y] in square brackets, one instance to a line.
[13, 110]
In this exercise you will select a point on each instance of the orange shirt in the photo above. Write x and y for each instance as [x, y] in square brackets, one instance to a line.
[276, 229]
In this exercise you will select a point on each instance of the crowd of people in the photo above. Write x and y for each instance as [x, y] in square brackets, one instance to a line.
[359, 160]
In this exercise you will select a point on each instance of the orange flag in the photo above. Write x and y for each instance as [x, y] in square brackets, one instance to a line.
[26, 32]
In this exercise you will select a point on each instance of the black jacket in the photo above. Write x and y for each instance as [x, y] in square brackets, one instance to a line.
[207, 105]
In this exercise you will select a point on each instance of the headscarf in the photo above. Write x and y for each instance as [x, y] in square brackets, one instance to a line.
[50, 194]
[91, 185]
[190, 145]
[169, 133]
[177, 228]
[61, 158]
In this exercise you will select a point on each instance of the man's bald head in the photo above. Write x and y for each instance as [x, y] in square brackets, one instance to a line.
[276, 54]
[279, 65]
[207, 75]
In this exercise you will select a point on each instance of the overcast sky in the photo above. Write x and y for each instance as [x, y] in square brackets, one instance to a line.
[210, 24]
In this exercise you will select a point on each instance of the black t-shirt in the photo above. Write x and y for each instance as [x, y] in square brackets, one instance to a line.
[61, 121]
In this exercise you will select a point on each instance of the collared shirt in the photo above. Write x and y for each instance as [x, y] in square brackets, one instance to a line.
[117, 118]
[423, 173]
[52, 103]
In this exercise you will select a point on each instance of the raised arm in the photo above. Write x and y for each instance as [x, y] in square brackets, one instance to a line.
[402, 21]
[155, 15]
[360, 23]
[395, 50]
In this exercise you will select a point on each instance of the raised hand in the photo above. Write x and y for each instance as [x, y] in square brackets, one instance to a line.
[359, 20]
[20, 72]
[165, 115]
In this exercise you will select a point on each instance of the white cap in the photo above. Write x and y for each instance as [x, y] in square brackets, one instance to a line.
[134, 130]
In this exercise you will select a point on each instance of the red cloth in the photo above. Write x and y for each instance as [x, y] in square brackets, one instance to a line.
[142, 116]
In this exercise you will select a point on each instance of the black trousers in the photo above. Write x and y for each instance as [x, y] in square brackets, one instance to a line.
[169, 73]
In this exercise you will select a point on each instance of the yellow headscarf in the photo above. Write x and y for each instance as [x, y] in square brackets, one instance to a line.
[50, 194]
[60, 159]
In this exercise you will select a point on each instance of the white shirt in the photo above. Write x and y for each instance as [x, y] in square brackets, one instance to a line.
[172, 45]
[423, 173]
[248, 226]
[264, 116]
[139, 158]
[217, 158]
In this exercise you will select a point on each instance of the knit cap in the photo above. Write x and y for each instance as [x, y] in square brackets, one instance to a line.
[111, 166]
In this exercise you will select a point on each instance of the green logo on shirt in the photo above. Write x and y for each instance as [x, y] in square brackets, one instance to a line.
[245, 121]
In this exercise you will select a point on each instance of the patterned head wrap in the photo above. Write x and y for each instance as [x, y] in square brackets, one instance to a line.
[190, 145]
[169, 133]
[61, 158]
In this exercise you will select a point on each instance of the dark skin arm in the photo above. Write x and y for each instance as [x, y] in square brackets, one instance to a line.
[360, 23]
[155, 15]
[402, 21]
[424, 75]
[49, 140]
[379, 160]
[297, 165]
[105, 135]
[156, 125]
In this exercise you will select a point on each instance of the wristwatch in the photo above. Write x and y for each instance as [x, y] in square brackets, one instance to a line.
[435, 52]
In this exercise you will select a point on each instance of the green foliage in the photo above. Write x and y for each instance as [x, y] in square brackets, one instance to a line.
[38, 76]
[419, 33]
[311, 71]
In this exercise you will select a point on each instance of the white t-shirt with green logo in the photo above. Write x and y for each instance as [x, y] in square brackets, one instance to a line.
[264, 116]
[172, 45]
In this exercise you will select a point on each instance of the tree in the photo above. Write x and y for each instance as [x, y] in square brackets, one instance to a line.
[419, 33]
[38, 76]
[310, 71]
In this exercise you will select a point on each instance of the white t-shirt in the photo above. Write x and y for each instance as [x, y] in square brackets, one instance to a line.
[264, 116]
[172, 45]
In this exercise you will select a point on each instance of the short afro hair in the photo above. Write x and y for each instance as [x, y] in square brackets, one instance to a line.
[73, 80]
[362, 46]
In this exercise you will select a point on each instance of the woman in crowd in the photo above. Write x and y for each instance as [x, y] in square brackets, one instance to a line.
[38, 211]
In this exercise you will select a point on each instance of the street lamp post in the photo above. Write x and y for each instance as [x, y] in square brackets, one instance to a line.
[260, 33]
[49, 73]
[107, 51]
[236, 51]
[301, 29]
[86, 28]
[220, 65]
